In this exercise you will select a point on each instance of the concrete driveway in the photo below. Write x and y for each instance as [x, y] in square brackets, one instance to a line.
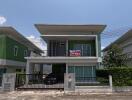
[59, 95]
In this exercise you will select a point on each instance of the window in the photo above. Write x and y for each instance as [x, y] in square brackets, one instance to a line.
[83, 73]
[25, 53]
[2, 70]
[62, 43]
[15, 50]
[84, 48]
[18, 70]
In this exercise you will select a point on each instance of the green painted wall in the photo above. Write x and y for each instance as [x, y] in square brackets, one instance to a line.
[71, 44]
[7, 51]
[2, 46]
[10, 43]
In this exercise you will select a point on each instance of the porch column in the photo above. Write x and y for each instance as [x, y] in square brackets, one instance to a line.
[66, 68]
[67, 48]
[27, 67]
[29, 70]
[96, 43]
[47, 52]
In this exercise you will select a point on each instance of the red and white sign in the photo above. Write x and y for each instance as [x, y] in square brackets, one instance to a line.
[75, 53]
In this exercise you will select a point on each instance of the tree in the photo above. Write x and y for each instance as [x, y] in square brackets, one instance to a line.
[114, 57]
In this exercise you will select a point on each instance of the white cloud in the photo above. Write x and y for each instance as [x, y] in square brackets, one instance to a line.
[38, 42]
[102, 47]
[2, 20]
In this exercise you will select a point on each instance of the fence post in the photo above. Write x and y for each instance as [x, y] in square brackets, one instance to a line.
[110, 81]
[69, 82]
[8, 82]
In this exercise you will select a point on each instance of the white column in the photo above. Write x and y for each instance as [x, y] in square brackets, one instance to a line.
[92, 71]
[47, 48]
[27, 67]
[27, 71]
[67, 68]
[96, 43]
[110, 81]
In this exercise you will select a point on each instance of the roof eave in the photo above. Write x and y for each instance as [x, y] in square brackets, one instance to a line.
[118, 40]
[59, 28]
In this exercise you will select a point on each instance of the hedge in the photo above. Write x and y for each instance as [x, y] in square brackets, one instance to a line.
[122, 76]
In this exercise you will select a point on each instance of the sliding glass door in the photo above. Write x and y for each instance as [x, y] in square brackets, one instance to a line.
[85, 49]
[83, 73]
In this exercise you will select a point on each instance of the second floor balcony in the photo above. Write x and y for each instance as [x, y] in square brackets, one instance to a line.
[81, 50]
[69, 53]
[71, 49]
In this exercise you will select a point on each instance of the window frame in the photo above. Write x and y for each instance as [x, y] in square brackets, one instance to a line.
[82, 48]
[15, 50]
[25, 53]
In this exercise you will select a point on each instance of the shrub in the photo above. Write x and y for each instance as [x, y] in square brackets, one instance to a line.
[103, 81]
[102, 73]
[121, 76]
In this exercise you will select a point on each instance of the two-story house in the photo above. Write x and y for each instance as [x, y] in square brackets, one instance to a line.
[70, 49]
[13, 48]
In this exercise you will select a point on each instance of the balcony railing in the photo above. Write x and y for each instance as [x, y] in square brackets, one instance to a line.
[69, 53]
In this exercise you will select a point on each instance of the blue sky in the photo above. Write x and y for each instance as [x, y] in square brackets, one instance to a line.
[23, 14]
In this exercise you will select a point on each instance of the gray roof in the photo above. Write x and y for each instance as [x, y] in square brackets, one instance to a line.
[120, 39]
[52, 28]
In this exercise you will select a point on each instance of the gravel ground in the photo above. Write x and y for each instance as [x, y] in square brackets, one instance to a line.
[59, 95]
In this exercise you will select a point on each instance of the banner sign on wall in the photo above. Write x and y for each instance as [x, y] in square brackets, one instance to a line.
[75, 53]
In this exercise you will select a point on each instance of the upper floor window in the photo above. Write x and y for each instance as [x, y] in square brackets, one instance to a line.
[85, 49]
[15, 50]
[25, 53]
[18, 70]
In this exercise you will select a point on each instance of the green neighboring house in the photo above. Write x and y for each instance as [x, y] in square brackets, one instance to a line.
[13, 48]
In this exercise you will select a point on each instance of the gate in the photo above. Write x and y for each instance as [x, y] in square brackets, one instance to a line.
[39, 81]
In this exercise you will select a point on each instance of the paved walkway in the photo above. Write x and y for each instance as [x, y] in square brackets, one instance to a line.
[58, 95]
